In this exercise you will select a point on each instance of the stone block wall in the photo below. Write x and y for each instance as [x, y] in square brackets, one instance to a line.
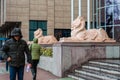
[68, 55]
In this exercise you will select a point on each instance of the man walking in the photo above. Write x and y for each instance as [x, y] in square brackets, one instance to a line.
[14, 49]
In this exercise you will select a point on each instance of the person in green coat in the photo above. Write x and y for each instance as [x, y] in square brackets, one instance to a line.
[35, 49]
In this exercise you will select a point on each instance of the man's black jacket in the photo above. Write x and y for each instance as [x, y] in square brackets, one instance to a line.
[16, 50]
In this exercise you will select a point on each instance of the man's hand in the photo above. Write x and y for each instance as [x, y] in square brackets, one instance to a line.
[9, 59]
[30, 65]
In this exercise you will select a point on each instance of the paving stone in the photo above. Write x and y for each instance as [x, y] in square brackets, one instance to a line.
[41, 75]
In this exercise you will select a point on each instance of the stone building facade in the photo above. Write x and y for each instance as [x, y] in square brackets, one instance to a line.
[57, 13]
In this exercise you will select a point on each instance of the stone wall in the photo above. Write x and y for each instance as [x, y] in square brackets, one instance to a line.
[67, 55]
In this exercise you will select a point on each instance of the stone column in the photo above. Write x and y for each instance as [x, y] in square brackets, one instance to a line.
[51, 17]
[72, 10]
[88, 14]
[79, 8]
[1, 11]
[4, 13]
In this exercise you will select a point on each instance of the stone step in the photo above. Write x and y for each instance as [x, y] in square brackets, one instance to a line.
[74, 76]
[105, 68]
[95, 75]
[99, 73]
[110, 61]
[78, 76]
[98, 70]
[107, 63]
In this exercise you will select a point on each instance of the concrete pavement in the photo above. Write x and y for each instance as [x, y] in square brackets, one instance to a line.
[41, 75]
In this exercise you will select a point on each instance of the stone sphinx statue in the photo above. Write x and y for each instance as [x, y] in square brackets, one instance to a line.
[80, 34]
[50, 39]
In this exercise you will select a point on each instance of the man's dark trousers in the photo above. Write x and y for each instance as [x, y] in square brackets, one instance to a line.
[19, 71]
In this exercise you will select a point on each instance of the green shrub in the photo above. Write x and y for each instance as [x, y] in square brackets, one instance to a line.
[47, 52]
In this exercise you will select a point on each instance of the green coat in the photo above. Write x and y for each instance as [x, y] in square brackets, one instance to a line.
[35, 49]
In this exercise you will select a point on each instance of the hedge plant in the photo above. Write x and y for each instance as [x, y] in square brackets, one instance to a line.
[47, 52]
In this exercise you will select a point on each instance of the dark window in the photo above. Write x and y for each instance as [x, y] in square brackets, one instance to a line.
[59, 33]
[34, 25]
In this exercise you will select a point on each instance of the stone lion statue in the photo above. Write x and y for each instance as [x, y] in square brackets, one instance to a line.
[80, 34]
[50, 39]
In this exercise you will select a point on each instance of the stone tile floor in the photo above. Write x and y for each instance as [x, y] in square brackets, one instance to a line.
[41, 75]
